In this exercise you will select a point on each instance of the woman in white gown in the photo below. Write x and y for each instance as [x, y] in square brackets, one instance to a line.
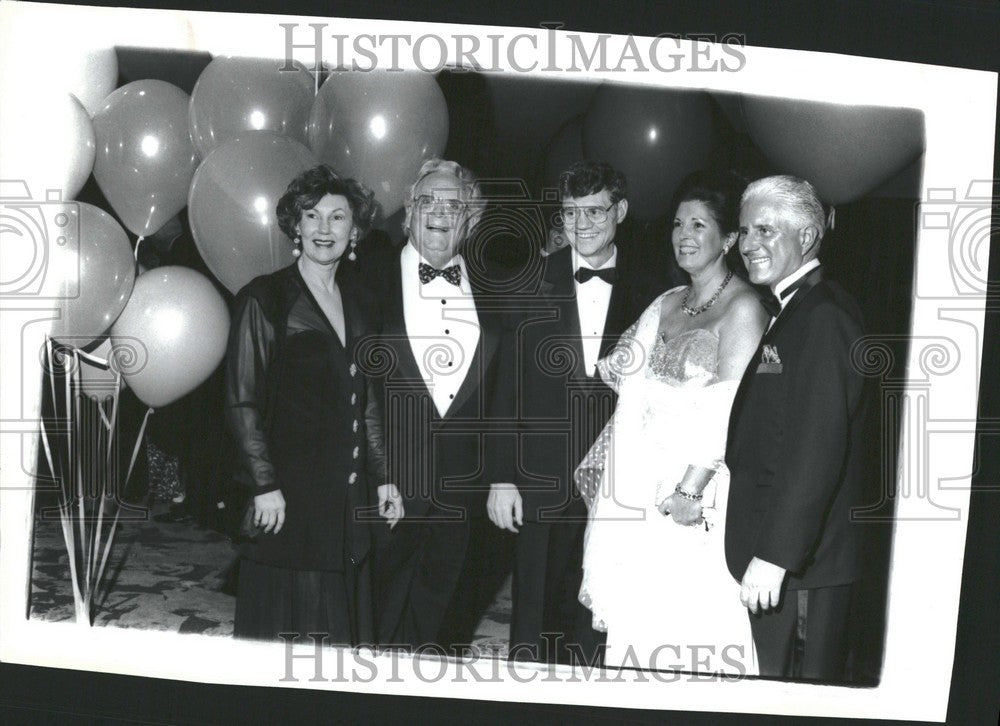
[655, 574]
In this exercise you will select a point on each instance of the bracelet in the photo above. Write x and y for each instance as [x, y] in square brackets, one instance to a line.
[687, 495]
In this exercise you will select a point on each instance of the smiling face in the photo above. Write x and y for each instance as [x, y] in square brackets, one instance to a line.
[773, 246]
[436, 220]
[697, 238]
[326, 230]
[594, 241]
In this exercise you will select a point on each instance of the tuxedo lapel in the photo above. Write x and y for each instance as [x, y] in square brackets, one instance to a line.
[619, 308]
[562, 290]
[801, 290]
[394, 326]
[489, 338]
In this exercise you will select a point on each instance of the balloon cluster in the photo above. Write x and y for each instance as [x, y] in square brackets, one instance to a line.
[258, 125]
[657, 136]
[227, 152]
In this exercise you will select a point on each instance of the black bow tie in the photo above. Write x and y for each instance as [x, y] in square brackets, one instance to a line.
[452, 274]
[771, 303]
[585, 274]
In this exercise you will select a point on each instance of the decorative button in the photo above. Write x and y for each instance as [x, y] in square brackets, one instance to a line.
[443, 301]
[353, 477]
[354, 398]
[353, 369]
[354, 426]
[447, 332]
[451, 395]
[357, 450]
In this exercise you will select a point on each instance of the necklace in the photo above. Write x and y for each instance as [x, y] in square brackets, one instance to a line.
[699, 310]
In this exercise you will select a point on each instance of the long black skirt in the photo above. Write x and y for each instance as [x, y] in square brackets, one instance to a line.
[275, 603]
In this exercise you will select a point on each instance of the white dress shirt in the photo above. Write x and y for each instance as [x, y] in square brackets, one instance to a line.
[592, 300]
[442, 327]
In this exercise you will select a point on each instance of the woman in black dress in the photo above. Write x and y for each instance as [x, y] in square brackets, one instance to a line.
[308, 426]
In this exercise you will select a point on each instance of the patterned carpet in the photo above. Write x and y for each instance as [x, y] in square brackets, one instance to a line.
[175, 576]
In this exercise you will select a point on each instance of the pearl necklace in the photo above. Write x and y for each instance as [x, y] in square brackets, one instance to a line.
[699, 310]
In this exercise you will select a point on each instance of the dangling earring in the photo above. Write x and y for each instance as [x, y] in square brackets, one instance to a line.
[296, 249]
[354, 243]
[725, 249]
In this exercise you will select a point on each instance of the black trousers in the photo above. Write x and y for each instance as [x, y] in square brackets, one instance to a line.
[825, 653]
[417, 569]
[548, 622]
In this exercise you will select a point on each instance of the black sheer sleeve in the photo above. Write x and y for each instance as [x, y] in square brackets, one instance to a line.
[376, 465]
[248, 362]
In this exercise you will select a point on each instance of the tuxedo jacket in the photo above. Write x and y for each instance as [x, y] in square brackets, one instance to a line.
[446, 461]
[795, 443]
[561, 409]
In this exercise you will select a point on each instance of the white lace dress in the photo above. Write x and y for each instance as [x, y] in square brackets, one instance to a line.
[661, 590]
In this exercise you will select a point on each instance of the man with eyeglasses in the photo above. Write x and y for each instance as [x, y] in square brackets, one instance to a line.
[441, 346]
[589, 293]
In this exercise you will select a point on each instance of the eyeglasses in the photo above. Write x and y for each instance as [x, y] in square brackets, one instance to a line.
[594, 214]
[449, 204]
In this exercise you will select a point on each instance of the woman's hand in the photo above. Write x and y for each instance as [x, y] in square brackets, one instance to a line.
[269, 510]
[684, 511]
[390, 504]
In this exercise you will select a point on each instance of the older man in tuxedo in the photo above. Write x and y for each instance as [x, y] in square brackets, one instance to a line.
[795, 440]
[441, 344]
[589, 292]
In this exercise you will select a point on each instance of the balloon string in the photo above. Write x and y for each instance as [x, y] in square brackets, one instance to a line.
[137, 243]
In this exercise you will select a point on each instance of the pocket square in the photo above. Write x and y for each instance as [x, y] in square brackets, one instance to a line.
[770, 355]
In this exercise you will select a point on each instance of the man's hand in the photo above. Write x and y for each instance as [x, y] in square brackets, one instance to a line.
[269, 510]
[390, 504]
[505, 500]
[761, 586]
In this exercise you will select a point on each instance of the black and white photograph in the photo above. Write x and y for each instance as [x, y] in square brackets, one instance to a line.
[503, 363]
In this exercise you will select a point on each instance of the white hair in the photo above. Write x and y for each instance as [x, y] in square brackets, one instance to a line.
[797, 196]
[469, 188]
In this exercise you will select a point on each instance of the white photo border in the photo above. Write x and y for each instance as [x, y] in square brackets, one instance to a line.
[938, 433]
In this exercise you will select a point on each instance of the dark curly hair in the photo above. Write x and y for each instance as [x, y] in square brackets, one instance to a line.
[720, 191]
[305, 191]
[591, 177]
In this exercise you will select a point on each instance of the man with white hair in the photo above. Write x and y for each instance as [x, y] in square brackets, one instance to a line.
[794, 448]
[442, 345]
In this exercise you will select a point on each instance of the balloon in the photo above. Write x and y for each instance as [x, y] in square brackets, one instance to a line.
[71, 256]
[48, 144]
[732, 108]
[528, 112]
[656, 136]
[244, 94]
[177, 324]
[379, 127]
[232, 205]
[50, 54]
[564, 150]
[905, 184]
[845, 151]
[145, 159]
